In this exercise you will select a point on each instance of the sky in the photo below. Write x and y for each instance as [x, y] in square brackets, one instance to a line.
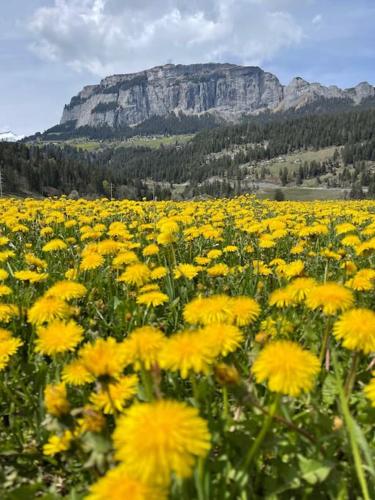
[50, 49]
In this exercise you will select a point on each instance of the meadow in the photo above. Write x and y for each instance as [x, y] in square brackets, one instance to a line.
[219, 349]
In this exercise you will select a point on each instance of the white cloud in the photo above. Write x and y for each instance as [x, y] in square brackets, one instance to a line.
[117, 36]
[317, 19]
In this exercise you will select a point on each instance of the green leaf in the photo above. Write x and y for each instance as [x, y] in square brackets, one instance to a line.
[313, 471]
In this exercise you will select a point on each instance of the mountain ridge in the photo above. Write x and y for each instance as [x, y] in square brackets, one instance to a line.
[227, 91]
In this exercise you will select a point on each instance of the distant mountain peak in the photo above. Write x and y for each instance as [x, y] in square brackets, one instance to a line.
[225, 90]
[9, 136]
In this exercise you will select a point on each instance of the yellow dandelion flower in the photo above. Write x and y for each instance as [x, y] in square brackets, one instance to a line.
[124, 258]
[135, 274]
[153, 299]
[7, 312]
[55, 245]
[187, 271]
[75, 373]
[5, 290]
[245, 310]
[176, 436]
[143, 346]
[48, 309]
[220, 269]
[57, 444]
[126, 487]
[102, 357]
[57, 337]
[149, 250]
[207, 310]
[8, 347]
[92, 260]
[3, 275]
[330, 297]
[67, 290]
[282, 297]
[214, 254]
[158, 273]
[292, 269]
[356, 329]
[222, 338]
[187, 351]
[31, 276]
[32, 260]
[300, 287]
[287, 367]
[91, 420]
[114, 397]
[56, 399]
[362, 281]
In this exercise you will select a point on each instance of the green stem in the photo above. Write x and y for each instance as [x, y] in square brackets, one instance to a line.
[359, 468]
[147, 384]
[349, 383]
[200, 479]
[253, 451]
[323, 349]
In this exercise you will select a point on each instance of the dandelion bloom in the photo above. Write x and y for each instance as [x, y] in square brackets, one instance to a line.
[153, 298]
[158, 273]
[67, 290]
[3, 274]
[356, 329]
[223, 338]
[92, 260]
[75, 373]
[330, 297]
[91, 420]
[58, 336]
[113, 397]
[143, 346]
[5, 290]
[186, 352]
[245, 310]
[124, 258]
[57, 444]
[102, 357]
[288, 368]
[118, 482]
[30, 276]
[292, 269]
[207, 310]
[175, 436]
[362, 281]
[282, 297]
[48, 309]
[55, 245]
[55, 399]
[370, 391]
[300, 287]
[136, 274]
[220, 269]
[7, 312]
[188, 271]
[149, 250]
[8, 347]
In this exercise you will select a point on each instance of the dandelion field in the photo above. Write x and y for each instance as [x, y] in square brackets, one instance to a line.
[221, 349]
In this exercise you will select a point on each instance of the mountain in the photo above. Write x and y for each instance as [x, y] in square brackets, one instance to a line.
[225, 91]
[10, 137]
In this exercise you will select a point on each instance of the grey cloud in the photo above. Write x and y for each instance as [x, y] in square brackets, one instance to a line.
[109, 36]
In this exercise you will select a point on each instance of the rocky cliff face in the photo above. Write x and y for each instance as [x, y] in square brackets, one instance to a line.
[226, 90]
